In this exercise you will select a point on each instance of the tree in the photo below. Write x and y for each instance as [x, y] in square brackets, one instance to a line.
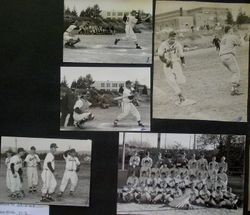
[67, 12]
[207, 141]
[145, 90]
[74, 12]
[241, 18]
[96, 11]
[83, 13]
[73, 85]
[64, 82]
[84, 82]
[229, 19]
[89, 12]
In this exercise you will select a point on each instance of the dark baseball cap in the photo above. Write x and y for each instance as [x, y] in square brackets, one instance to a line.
[53, 145]
[172, 34]
[9, 151]
[72, 150]
[20, 150]
[128, 82]
[32, 148]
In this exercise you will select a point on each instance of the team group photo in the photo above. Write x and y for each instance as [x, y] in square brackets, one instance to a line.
[201, 61]
[111, 31]
[105, 99]
[45, 171]
[180, 174]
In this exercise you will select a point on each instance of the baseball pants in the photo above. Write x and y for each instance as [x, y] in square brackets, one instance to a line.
[174, 76]
[79, 117]
[49, 182]
[230, 62]
[8, 179]
[69, 175]
[67, 37]
[128, 108]
[15, 183]
[32, 176]
[130, 34]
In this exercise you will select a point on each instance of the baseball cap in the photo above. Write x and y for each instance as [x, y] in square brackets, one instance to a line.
[20, 150]
[32, 148]
[53, 145]
[9, 151]
[172, 34]
[72, 150]
[128, 82]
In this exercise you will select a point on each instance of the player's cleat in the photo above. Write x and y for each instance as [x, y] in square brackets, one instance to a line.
[91, 117]
[138, 47]
[116, 123]
[13, 197]
[44, 199]
[116, 41]
[236, 92]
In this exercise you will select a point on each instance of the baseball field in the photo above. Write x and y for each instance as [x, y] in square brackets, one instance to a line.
[208, 82]
[101, 49]
[104, 120]
[81, 195]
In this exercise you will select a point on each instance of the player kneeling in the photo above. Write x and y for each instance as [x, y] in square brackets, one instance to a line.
[81, 112]
[230, 200]
[70, 173]
[204, 196]
[69, 35]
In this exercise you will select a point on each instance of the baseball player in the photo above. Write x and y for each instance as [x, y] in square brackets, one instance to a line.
[130, 21]
[48, 178]
[8, 171]
[223, 164]
[171, 54]
[69, 35]
[70, 173]
[134, 163]
[128, 106]
[227, 53]
[32, 161]
[214, 165]
[16, 175]
[81, 112]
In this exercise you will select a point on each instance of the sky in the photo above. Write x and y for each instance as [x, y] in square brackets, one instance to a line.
[109, 5]
[141, 74]
[166, 6]
[168, 140]
[44, 143]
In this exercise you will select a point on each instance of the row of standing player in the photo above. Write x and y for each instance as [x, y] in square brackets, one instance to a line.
[171, 54]
[14, 173]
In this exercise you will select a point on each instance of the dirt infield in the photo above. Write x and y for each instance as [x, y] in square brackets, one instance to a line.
[104, 120]
[144, 209]
[81, 195]
[208, 82]
[101, 49]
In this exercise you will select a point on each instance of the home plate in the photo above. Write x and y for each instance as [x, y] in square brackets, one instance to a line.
[187, 102]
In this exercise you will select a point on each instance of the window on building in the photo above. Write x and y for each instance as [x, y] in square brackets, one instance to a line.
[114, 14]
[119, 14]
[108, 85]
[102, 84]
[114, 85]
[121, 85]
[108, 14]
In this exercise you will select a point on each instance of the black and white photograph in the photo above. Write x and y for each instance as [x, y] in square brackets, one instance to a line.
[110, 31]
[105, 99]
[45, 171]
[169, 173]
[201, 54]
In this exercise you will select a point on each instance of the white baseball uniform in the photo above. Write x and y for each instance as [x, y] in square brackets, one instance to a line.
[15, 181]
[69, 33]
[70, 173]
[127, 106]
[48, 178]
[129, 29]
[227, 52]
[8, 173]
[174, 74]
[83, 105]
[32, 162]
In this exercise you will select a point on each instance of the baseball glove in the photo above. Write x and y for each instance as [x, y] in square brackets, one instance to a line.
[167, 61]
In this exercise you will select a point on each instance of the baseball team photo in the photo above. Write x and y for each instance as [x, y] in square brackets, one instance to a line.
[45, 171]
[111, 31]
[168, 173]
[201, 55]
[105, 99]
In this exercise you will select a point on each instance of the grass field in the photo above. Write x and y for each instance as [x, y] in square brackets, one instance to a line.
[208, 82]
[104, 120]
[81, 195]
[101, 49]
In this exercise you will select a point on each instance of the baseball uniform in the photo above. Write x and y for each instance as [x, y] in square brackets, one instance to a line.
[227, 53]
[127, 106]
[8, 173]
[70, 173]
[70, 33]
[48, 178]
[129, 29]
[173, 74]
[83, 105]
[32, 161]
[15, 179]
